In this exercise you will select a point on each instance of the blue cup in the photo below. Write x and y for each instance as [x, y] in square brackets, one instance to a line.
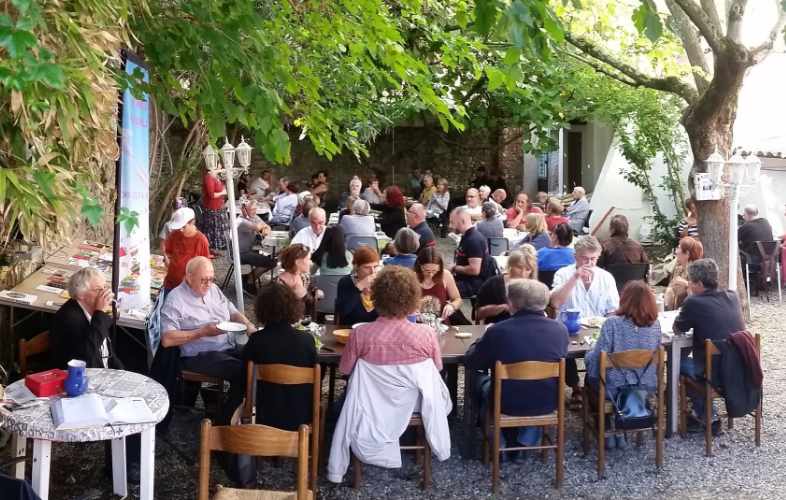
[76, 382]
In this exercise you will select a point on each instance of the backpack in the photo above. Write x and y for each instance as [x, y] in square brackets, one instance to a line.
[631, 404]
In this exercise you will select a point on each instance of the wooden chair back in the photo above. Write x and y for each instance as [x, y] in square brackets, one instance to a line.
[709, 351]
[36, 345]
[255, 440]
[290, 375]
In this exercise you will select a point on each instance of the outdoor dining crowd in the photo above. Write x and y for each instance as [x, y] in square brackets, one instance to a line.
[392, 360]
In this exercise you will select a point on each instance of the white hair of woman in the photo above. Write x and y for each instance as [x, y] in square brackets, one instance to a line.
[80, 281]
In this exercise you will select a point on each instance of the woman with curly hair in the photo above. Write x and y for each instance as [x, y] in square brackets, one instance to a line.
[393, 217]
[392, 339]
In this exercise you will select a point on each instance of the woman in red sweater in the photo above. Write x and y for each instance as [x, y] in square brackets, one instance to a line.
[214, 217]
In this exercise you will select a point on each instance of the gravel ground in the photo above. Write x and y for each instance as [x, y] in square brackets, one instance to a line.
[738, 469]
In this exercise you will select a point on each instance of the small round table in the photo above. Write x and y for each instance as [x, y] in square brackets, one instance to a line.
[34, 421]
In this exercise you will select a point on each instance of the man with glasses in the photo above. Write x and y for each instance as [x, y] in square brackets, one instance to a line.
[311, 235]
[189, 320]
[473, 206]
[586, 287]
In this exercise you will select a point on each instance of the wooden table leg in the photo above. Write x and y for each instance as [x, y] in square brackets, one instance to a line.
[470, 416]
[42, 453]
[19, 450]
[147, 464]
[119, 480]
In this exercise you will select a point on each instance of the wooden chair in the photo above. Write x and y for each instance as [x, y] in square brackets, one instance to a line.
[255, 440]
[27, 348]
[421, 447]
[290, 375]
[705, 388]
[526, 370]
[632, 359]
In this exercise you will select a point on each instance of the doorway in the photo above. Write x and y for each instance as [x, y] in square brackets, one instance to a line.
[573, 163]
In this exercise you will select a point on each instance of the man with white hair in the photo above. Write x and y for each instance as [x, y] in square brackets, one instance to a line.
[355, 186]
[578, 210]
[311, 235]
[359, 222]
[80, 328]
[471, 251]
[473, 207]
[754, 229]
[528, 335]
[189, 320]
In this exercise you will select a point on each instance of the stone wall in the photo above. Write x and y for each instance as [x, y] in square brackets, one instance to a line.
[394, 155]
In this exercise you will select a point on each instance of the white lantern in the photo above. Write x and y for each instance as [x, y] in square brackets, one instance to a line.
[243, 151]
[228, 154]
[715, 164]
[210, 156]
[752, 170]
[737, 166]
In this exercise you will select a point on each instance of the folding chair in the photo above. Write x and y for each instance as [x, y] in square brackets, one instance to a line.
[255, 440]
[526, 370]
[596, 405]
[290, 375]
[709, 392]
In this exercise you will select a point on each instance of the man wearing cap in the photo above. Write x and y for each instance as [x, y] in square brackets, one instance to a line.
[184, 242]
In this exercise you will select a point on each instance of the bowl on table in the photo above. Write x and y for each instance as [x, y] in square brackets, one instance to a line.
[342, 336]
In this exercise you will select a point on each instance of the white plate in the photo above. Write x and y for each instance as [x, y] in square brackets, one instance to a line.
[230, 326]
[358, 324]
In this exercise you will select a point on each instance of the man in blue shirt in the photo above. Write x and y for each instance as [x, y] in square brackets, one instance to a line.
[528, 335]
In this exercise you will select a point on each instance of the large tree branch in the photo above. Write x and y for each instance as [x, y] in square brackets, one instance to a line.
[712, 11]
[760, 52]
[734, 20]
[600, 69]
[708, 29]
[669, 84]
[692, 44]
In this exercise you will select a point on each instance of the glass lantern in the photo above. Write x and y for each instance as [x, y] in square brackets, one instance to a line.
[243, 152]
[228, 154]
[210, 156]
[752, 170]
[737, 167]
[715, 164]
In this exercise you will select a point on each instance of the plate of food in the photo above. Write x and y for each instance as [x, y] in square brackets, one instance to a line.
[593, 321]
[342, 336]
[231, 327]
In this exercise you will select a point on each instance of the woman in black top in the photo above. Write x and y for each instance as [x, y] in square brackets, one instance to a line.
[282, 406]
[392, 218]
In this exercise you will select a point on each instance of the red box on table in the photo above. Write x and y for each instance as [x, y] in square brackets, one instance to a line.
[48, 383]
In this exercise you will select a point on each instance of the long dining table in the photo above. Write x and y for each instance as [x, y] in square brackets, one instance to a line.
[454, 348]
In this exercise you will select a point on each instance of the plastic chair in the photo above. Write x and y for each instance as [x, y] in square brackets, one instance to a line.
[354, 242]
[633, 359]
[255, 440]
[498, 246]
[526, 370]
[628, 272]
[329, 286]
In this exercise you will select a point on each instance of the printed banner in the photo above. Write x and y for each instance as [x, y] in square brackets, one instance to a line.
[134, 289]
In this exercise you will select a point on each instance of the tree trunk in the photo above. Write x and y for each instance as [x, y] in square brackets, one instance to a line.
[709, 123]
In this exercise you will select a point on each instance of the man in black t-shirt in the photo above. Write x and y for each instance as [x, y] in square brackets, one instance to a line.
[416, 220]
[469, 255]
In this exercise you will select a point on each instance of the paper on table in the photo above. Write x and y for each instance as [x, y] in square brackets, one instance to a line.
[19, 393]
[130, 411]
[82, 411]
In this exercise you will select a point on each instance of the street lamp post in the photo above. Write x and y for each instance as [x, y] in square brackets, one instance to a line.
[228, 154]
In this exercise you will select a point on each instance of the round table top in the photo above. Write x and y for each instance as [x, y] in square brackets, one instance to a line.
[35, 421]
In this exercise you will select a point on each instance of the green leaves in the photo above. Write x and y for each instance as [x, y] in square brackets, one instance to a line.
[486, 14]
[647, 20]
[16, 42]
[128, 219]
